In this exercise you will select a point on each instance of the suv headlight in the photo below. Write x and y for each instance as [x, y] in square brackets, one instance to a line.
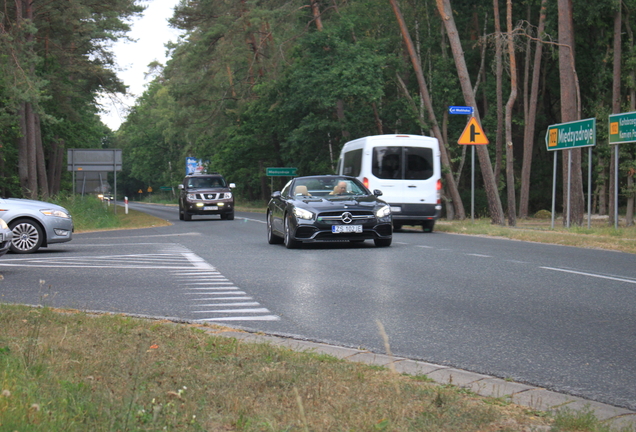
[192, 197]
[227, 195]
[383, 211]
[303, 214]
[57, 213]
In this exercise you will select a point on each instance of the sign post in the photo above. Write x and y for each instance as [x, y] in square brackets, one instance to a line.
[472, 135]
[622, 131]
[279, 172]
[95, 161]
[579, 133]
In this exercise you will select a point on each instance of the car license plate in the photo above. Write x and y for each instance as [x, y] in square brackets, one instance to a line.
[346, 229]
[210, 208]
[396, 209]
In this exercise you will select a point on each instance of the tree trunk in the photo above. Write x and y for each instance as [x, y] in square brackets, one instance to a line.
[499, 86]
[528, 132]
[448, 176]
[510, 174]
[43, 184]
[494, 202]
[570, 111]
[315, 10]
[616, 107]
[31, 160]
[23, 151]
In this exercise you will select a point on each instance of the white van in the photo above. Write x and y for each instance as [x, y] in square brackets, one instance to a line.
[406, 168]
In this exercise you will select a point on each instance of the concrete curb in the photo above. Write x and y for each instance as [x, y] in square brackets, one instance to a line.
[521, 394]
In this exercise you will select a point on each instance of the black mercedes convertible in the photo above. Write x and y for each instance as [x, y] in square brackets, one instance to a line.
[327, 208]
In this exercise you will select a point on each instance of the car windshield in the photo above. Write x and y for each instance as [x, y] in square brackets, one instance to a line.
[206, 182]
[328, 188]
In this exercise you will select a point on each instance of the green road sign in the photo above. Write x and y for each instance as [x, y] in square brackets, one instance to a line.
[580, 133]
[291, 172]
[622, 128]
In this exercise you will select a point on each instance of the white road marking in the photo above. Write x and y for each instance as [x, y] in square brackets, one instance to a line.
[479, 255]
[632, 281]
[198, 277]
[253, 220]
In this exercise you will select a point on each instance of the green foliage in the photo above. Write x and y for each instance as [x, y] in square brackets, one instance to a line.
[255, 84]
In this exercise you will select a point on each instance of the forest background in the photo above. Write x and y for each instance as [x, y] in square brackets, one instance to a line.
[285, 83]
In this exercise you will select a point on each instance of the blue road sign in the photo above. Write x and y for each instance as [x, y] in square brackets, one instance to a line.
[460, 110]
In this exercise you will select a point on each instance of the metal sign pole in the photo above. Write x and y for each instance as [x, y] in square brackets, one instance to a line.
[569, 183]
[616, 187]
[554, 180]
[472, 187]
[589, 187]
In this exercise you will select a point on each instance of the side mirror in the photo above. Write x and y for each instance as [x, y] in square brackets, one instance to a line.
[276, 194]
[232, 185]
[180, 186]
[377, 192]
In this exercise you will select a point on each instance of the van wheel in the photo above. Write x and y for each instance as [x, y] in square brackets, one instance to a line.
[427, 226]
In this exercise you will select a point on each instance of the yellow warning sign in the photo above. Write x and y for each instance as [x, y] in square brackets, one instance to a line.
[473, 134]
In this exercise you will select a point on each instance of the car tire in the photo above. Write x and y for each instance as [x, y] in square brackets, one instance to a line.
[271, 237]
[180, 213]
[427, 226]
[186, 216]
[383, 242]
[229, 216]
[397, 226]
[27, 236]
[290, 243]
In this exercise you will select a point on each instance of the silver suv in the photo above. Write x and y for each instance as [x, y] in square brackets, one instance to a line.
[205, 194]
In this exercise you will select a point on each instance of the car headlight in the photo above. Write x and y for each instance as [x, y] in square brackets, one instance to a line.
[57, 213]
[3, 224]
[383, 211]
[303, 214]
[227, 195]
[192, 197]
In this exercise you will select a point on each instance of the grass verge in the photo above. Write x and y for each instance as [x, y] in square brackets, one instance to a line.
[76, 372]
[598, 236]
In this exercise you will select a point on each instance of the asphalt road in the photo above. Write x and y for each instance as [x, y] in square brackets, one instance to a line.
[558, 317]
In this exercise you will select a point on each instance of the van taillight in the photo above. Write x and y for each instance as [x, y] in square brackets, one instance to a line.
[365, 182]
[439, 191]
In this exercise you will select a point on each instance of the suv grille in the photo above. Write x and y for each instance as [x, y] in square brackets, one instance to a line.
[209, 196]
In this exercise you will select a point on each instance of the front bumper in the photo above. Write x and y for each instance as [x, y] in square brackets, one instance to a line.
[313, 231]
[5, 242]
[209, 207]
[60, 231]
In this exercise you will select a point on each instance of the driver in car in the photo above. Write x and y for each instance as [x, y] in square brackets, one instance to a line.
[340, 188]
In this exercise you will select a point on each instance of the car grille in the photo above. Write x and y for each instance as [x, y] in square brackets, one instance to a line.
[333, 217]
[209, 196]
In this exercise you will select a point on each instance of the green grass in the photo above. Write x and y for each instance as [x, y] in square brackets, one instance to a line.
[75, 372]
[71, 371]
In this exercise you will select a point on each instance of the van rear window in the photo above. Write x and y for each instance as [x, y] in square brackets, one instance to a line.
[352, 163]
[411, 163]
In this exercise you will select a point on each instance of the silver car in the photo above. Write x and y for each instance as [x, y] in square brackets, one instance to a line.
[5, 237]
[35, 224]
